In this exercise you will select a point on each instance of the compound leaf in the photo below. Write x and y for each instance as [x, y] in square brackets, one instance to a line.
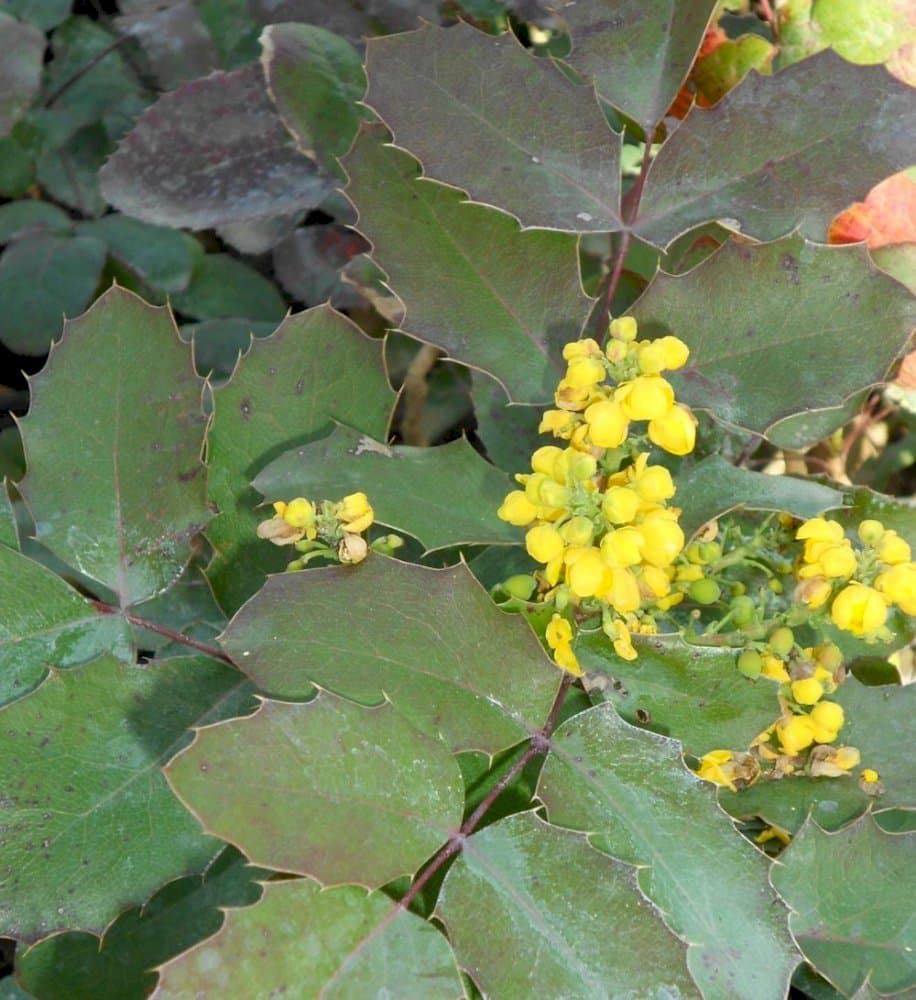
[499, 300]
[442, 496]
[636, 53]
[91, 826]
[630, 790]
[210, 153]
[468, 673]
[329, 789]
[471, 123]
[830, 880]
[573, 920]
[120, 493]
[282, 395]
[794, 342]
[766, 157]
[333, 943]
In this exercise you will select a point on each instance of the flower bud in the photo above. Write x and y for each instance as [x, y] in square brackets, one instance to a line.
[858, 609]
[624, 328]
[607, 424]
[544, 543]
[517, 509]
[647, 397]
[675, 432]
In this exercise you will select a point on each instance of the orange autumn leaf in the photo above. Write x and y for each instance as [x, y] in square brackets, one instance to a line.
[712, 39]
[888, 215]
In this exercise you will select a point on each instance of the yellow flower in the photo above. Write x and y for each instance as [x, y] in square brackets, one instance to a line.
[826, 720]
[623, 594]
[869, 776]
[663, 539]
[300, 513]
[517, 509]
[559, 638]
[898, 585]
[560, 423]
[818, 529]
[585, 373]
[543, 543]
[714, 767]
[675, 432]
[623, 328]
[587, 575]
[814, 592]
[623, 645]
[892, 549]
[544, 460]
[833, 561]
[653, 583]
[355, 512]
[833, 762]
[607, 424]
[622, 547]
[646, 397]
[620, 504]
[795, 734]
[858, 609]
[870, 531]
[807, 691]
[653, 483]
[578, 531]
[666, 354]
[587, 348]
[774, 668]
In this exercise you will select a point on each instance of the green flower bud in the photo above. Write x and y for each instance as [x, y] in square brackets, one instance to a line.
[750, 663]
[705, 591]
[521, 586]
[743, 609]
[781, 641]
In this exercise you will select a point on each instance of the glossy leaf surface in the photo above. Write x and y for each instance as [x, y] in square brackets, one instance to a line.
[766, 155]
[336, 943]
[125, 515]
[471, 124]
[572, 920]
[632, 793]
[471, 673]
[328, 789]
[92, 826]
[278, 398]
[796, 341]
[473, 285]
[442, 496]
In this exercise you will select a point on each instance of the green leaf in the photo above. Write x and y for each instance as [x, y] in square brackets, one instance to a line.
[898, 513]
[630, 790]
[714, 487]
[505, 302]
[899, 260]
[79, 966]
[865, 33]
[333, 943]
[470, 122]
[22, 49]
[219, 343]
[223, 286]
[767, 155]
[442, 496]
[211, 152]
[92, 827]
[41, 279]
[795, 341]
[27, 218]
[636, 53]
[9, 532]
[124, 511]
[315, 79]
[472, 674]
[328, 789]
[17, 168]
[69, 173]
[233, 29]
[878, 722]
[852, 893]
[693, 694]
[44, 623]
[163, 257]
[799, 431]
[572, 920]
[725, 67]
[44, 14]
[509, 433]
[282, 395]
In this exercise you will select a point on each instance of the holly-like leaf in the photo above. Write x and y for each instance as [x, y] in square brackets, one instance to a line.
[503, 301]
[43, 278]
[799, 431]
[470, 122]
[693, 694]
[222, 286]
[442, 496]
[630, 790]
[766, 156]
[795, 341]
[282, 395]
[211, 152]
[91, 826]
[509, 433]
[120, 966]
[328, 789]
[120, 493]
[636, 53]
[163, 257]
[878, 723]
[470, 673]
[847, 932]
[573, 920]
[23, 48]
[315, 79]
[44, 623]
[714, 487]
[332, 943]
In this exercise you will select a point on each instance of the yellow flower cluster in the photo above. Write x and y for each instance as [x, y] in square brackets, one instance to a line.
[861, 583]
[596, 511]
[320, 529]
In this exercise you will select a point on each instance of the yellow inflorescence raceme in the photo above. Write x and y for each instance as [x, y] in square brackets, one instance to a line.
[595, 509]
[328, 529]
